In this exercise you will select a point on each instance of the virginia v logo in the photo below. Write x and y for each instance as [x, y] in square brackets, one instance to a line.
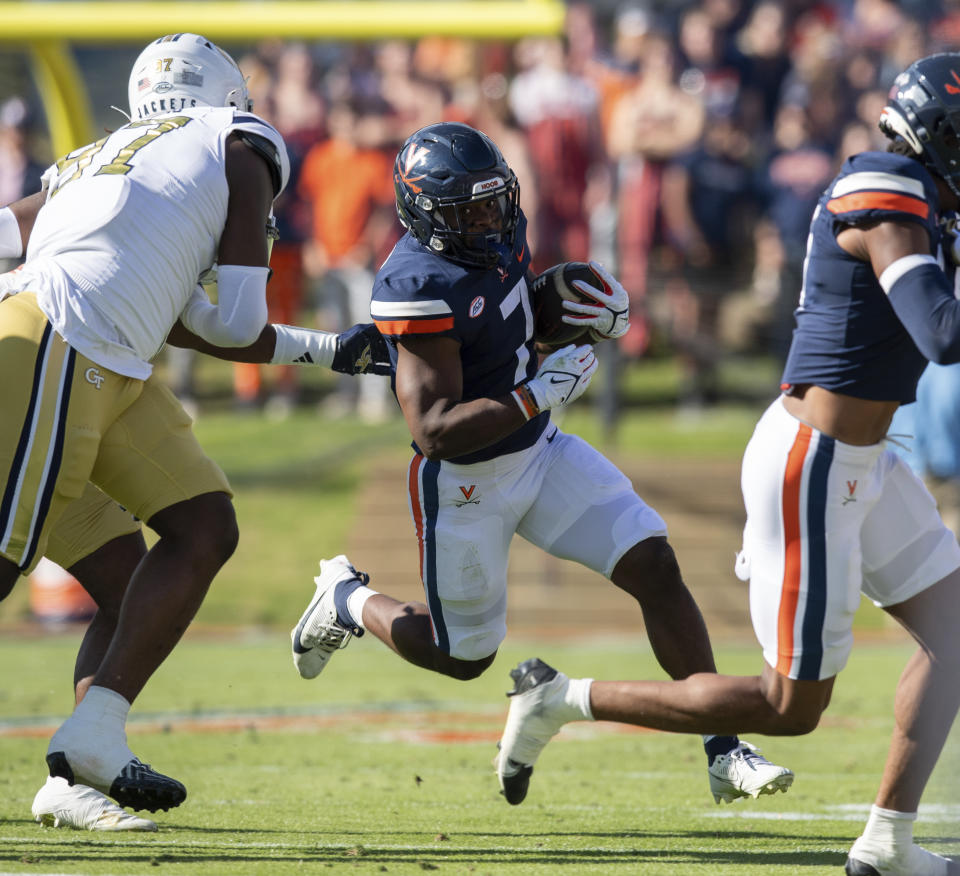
[470, 497]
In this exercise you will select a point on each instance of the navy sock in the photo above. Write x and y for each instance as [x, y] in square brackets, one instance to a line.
[340, 595]
[719, 745]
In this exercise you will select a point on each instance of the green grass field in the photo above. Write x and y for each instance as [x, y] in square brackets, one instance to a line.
[378, 767]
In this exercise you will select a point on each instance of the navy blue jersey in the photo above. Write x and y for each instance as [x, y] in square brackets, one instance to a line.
[417, 292]
[848, 338]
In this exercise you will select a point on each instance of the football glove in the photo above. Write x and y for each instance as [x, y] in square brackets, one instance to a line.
[563, 376]
[361, 349]
[609, 316]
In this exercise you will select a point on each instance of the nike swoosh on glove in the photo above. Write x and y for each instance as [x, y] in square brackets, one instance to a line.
[563, 376]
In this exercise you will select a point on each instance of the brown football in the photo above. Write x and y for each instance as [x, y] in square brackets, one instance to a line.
[548, 293]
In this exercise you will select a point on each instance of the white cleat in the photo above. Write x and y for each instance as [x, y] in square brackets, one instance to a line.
[538, 709]
[869, 859]
[58, 804]
[744, 772]
[319, 632]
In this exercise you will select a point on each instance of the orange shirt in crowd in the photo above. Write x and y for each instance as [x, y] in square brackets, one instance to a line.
[344, 185]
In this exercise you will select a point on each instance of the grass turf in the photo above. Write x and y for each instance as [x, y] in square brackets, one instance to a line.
[378, 767]
[381, 768]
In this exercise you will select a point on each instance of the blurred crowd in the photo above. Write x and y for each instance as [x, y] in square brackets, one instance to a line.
[684, 145]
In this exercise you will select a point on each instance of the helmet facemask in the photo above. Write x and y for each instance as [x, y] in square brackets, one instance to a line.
[475, 229]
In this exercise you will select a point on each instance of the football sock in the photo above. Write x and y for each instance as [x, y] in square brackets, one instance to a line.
[94, 737]
[714, 745]
[577, 697]
[356, 601]
[341, 600]
[887, 845]
[103, 704]
[889, 828]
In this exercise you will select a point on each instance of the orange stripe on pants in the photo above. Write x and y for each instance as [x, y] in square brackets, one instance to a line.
[793, 549]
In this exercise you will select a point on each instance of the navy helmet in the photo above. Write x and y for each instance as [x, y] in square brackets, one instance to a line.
[456, 194]
[923, 110]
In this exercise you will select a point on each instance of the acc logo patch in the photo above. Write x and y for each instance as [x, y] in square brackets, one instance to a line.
[476, 306]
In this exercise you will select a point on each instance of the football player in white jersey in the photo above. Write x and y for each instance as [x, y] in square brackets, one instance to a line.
[115, 245]
[833, 514]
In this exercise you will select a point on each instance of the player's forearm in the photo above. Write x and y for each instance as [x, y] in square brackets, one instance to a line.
[259, 352]
[449, 429]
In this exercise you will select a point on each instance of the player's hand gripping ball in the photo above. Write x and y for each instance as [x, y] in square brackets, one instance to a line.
[577, 303]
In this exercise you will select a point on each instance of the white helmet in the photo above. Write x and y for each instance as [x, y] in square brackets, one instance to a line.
[184, 70]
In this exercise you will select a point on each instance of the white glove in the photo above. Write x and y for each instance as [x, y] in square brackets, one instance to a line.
[563, 376]
[609, 317]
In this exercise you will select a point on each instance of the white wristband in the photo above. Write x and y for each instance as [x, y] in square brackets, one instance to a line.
[11, 243]
[302, 346]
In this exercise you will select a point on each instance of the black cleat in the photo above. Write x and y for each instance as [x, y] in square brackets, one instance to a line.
[140, 787]
[529, 674]
[137, 787]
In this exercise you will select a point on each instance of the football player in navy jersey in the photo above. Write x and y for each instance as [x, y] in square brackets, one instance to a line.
[832, 511]
[453, 301]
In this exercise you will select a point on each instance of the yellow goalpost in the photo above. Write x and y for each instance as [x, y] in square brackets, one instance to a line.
[46, 30]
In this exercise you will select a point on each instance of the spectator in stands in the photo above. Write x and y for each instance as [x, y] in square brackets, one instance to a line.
[649, 124]
[346, 179]
[559, 112]
[709, 205]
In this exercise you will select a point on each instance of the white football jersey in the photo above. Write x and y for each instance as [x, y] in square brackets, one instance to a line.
[129, 225]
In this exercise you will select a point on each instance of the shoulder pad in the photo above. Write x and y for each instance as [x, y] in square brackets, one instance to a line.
[268, 150]
[882, 186]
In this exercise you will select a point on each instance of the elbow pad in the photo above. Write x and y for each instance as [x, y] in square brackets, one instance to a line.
[241, 310]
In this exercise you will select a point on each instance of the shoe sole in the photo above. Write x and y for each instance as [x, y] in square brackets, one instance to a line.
[859, 868]
[781, 783]
[151, 792]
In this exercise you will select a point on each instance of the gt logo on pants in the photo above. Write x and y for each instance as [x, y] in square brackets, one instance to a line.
[93, 376]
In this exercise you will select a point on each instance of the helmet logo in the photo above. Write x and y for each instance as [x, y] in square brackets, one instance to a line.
[487, 184]
[410, 160]
[476, 306]
[413, 156]
[953, 89]
[161, 87]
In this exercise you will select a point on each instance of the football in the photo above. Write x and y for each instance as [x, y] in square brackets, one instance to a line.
[548, 293]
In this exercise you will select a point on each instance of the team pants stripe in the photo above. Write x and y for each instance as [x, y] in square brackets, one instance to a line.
[425, 505]
[31, 434]
[804, 591]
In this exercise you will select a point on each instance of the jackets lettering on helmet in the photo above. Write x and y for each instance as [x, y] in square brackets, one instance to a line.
[184, 70]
